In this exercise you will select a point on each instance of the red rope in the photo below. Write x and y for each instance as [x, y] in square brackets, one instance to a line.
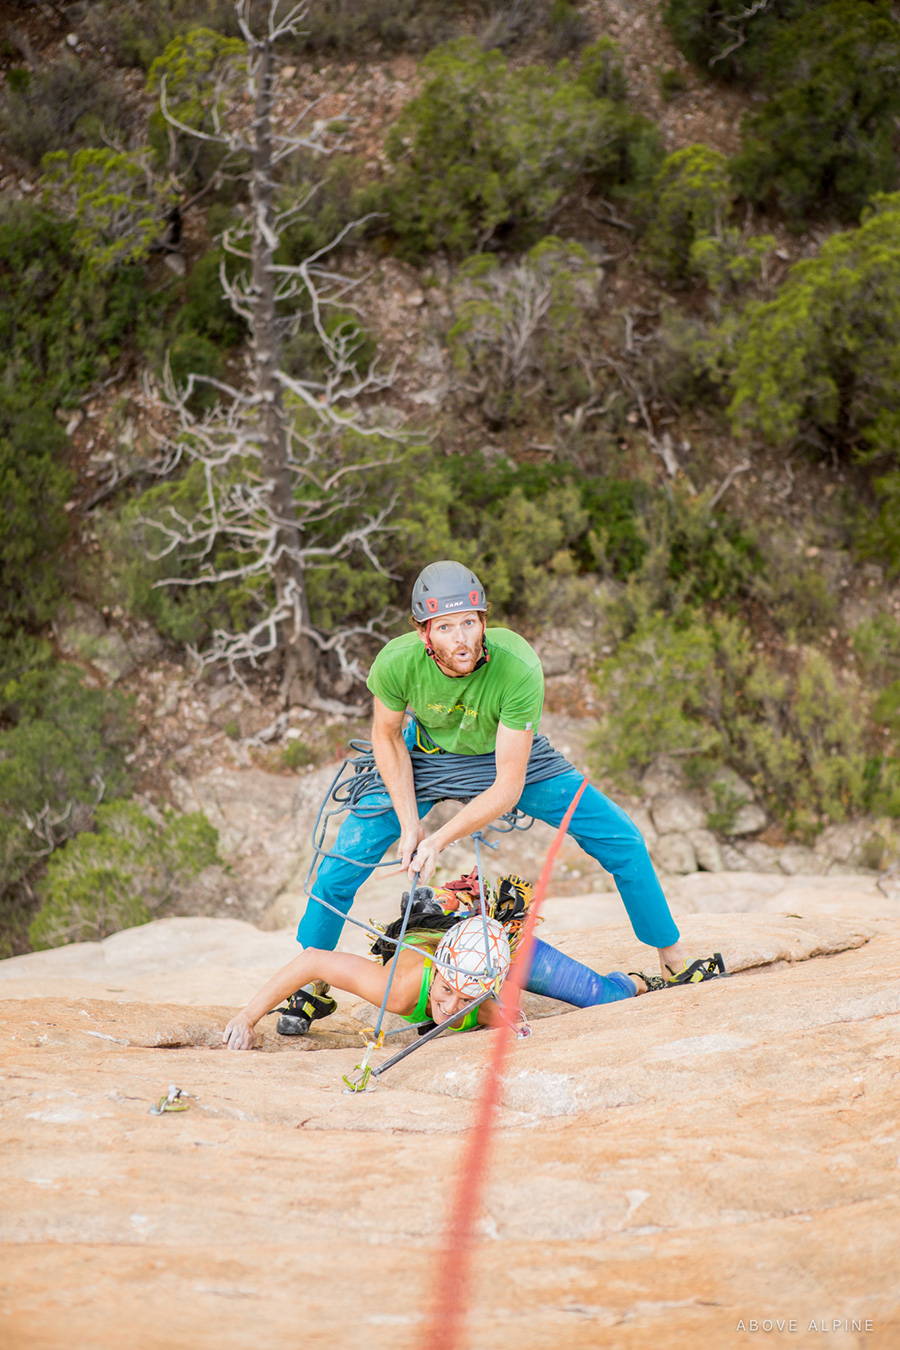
[454, 1269]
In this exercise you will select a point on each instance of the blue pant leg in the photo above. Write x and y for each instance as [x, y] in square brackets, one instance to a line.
[611, 837]
[363, 839]
[556, 975]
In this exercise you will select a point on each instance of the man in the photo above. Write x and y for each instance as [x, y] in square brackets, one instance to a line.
[476, 696]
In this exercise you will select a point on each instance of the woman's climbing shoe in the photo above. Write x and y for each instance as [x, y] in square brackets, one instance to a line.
[697, 971]
[651, 981]
[303, 1008]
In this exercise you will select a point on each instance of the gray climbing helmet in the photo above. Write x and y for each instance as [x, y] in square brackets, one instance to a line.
[445, 587]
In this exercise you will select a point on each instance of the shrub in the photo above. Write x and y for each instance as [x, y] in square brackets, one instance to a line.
[61, 327]
[65, 105]
[825, 139]
[34, 485]
[135, 33]
[485, 150]
[729, 38]
[693, 553]
[519, 328]
[878, 531]
[199, 80]
[62, 749]
[123, 875]
[820, 364]
[699, 688]
[117, 208]
[691, 197]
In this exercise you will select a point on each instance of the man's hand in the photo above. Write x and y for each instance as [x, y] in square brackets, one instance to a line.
[409, 842]
[424, 860]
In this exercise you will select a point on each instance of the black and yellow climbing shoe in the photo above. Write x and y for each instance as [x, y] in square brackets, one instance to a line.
[303, 1008]
[709, 968]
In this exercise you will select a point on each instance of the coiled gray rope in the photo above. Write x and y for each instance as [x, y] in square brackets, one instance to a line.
[440, 774]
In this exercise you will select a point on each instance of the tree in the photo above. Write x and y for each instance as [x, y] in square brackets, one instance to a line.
[278, 461]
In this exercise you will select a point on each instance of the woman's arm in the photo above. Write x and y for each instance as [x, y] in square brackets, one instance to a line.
[354, 974]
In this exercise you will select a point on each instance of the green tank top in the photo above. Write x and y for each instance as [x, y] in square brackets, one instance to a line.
[420, 1011]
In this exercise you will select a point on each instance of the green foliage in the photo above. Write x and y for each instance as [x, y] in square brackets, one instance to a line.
[62, 747]
[692, 361]
[567, 29]
[878, 531]
[61, 328]
[729, 261]
[693, 553]
[205, 310]
[485, 150]
[185, 613]
[117, 207]
[333, 198]
[518, 329]
[125, 874]
[601, 72]
[34, 485]
[66, 104]
[135, 32]
[729, 38]
[199, 80]
[297, 755]
[691, 197]
[346, 27]
[672, 82]
[876, 642]
[821, 360]
[701, 689]
[825, 140]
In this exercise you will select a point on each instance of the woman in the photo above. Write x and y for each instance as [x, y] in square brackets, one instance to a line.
[443, 970]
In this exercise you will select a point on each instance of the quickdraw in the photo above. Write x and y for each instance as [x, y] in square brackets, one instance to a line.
[174, 1100]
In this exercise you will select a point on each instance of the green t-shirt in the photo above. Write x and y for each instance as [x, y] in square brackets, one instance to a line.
[461, 714]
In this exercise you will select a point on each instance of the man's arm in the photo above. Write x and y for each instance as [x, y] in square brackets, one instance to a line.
[513, 749]
[395, 766]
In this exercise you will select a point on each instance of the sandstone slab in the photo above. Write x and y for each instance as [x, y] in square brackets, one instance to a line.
[667, 1170]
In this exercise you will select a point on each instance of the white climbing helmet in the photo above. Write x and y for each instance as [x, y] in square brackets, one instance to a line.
[463, 950]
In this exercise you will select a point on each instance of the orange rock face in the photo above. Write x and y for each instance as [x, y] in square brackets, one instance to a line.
[709, 1165]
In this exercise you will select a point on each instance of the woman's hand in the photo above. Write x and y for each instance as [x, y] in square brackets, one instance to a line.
[238, 1035]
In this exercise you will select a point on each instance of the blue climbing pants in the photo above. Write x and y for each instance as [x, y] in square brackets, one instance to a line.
[601, 827]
